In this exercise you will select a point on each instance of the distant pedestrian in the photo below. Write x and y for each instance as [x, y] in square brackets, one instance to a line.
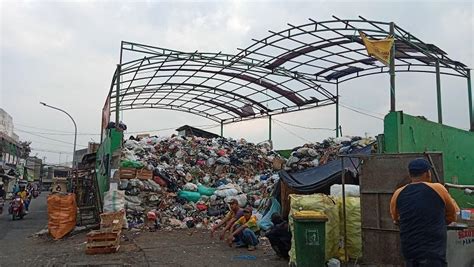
[423, 209]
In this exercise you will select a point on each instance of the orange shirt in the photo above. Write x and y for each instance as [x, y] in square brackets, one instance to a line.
[451, 206]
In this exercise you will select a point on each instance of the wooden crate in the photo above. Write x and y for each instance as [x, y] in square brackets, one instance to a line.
[102, 242]
[112, 221]
[102, 250]
[127, 173]
[144, 174]
[100, 235]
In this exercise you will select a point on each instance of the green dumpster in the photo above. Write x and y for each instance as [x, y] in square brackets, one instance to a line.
[309, 233]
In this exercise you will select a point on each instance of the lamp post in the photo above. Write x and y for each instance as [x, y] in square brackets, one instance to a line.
[75, 131]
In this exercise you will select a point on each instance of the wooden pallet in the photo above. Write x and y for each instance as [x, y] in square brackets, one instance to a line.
[102, 250]
[144, 174]
[127, 173]
[103, 242]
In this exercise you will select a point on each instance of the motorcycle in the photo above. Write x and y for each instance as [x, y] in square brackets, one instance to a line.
[2, 203]
[17, 209]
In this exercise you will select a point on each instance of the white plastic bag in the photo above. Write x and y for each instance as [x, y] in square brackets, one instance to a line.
[351, 190]
[190, 187]
[242, 199]
[114, 200]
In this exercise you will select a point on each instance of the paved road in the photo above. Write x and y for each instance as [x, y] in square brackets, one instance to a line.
[14, 234]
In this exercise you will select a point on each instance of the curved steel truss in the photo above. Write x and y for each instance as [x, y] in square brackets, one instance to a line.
[333, 52]
[287, 71]
[212, 85]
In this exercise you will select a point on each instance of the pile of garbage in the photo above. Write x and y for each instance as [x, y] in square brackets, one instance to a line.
[184, 182]
[316, 154]
[192, 178]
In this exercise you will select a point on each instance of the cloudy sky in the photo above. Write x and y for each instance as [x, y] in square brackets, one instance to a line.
[64, 53]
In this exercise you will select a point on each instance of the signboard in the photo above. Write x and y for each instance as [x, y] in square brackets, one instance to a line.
[105, 117]
[460, 247]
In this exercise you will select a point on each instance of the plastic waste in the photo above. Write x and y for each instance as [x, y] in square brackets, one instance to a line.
[206, 191]
[189, 195]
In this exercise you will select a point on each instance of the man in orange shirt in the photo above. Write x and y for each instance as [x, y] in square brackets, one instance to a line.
[423, 209]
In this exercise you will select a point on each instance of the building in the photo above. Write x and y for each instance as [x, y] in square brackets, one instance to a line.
[51, 172]
[187, 130]
[10, 148]
[79, 154]
[6, 125]
[33, 167]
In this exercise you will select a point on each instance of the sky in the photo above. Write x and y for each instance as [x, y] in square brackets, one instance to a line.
[64, 53]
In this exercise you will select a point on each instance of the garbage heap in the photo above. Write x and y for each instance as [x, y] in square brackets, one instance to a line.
[184, 182]
[320, 153]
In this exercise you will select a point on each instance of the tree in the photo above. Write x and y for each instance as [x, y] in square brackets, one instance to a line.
[25, 149]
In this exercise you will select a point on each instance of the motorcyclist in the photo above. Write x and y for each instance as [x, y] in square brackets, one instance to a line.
[2, 191]
[2, 196]
[24, 195]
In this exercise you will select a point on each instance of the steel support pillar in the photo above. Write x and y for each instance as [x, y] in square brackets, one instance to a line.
[392, 69]
[438, 93]
[469, 96]
[270, 128]
[337, 108]
[222, 129]
[117, 99]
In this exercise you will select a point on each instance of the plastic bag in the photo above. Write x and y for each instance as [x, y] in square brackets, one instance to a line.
[189, 196]
[242, 199]
[353, 227]
[322, 203]
[131, 164]
[206, 191]
[266, 222]
[226, 192]
[351, 190]
[114, 200]
[190, 187]
[62, 212]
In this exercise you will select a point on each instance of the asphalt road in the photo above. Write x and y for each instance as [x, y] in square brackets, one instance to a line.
[188, 247]
[14, 235]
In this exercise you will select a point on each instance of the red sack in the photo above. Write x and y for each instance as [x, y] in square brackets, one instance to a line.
[160, 181]
[201, 207]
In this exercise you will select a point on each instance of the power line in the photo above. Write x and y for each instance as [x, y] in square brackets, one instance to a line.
[54, 133]
[52, 139]
[53, 144]
[304, 127]
[50, 151]
[54, 130]
[306, 140]
[60, 133]
[361, 112]
[362, 109]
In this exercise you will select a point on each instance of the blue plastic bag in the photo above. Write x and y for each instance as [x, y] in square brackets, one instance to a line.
[266, 222]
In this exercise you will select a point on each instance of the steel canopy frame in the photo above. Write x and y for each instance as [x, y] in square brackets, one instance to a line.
[298, 68]
[332, 52]
[210, 85]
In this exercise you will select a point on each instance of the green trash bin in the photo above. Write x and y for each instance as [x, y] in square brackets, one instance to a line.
[310, 238]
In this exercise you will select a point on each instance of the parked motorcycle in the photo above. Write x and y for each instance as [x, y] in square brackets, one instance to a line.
[17, 209]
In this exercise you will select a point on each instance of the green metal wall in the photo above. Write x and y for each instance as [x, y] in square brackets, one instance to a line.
[112, 142]
[405, 133]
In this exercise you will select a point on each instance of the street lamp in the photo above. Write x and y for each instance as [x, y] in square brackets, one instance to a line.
[75, 131]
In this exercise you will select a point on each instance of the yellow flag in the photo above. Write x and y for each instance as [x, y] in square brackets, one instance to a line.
[379, 49]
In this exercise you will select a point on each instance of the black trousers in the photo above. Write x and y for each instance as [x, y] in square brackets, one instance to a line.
[425, 263]
[280, 245]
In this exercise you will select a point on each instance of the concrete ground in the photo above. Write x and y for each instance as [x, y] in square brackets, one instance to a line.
[190, 247]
